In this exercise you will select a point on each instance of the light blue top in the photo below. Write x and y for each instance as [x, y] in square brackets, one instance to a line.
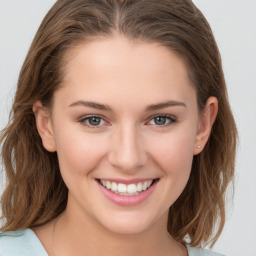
[26, 243]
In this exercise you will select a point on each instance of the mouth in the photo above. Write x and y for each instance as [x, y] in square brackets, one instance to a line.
[131, 189]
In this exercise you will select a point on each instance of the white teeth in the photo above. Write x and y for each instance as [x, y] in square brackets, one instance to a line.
[123, 189]
[131, 189]
[145, 185]
[114, 187]
[149, 183]
[108, 184]
[139, 187]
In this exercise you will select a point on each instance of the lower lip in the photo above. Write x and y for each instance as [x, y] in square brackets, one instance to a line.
[127, 200]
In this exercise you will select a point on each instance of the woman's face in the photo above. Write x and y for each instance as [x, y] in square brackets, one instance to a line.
[125, 117]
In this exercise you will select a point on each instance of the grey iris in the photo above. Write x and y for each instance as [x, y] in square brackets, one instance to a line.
[160, 120]
[94, 121]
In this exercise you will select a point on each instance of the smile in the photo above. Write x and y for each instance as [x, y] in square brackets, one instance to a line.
[126, 193]
[126, 190]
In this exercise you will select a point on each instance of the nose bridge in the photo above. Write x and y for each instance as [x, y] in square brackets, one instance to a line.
[128, 152]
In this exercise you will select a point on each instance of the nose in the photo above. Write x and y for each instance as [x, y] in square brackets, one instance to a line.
[127, 150]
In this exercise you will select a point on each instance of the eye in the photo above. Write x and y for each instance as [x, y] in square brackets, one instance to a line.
[162, 120]
[92, 121]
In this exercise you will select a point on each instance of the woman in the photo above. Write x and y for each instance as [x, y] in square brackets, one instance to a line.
[121, 139]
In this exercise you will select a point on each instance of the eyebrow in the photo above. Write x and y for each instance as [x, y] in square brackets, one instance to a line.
[90, 104]
[171, 103]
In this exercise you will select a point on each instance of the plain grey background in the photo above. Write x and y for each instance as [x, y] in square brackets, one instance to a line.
[234, 25]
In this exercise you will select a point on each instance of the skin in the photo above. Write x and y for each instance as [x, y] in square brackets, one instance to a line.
[127, 144]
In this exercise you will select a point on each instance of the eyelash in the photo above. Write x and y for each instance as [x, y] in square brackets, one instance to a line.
[171, 119]
[84, 120]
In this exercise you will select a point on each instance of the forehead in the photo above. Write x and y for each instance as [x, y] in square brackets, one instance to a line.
[118, 53]
[117, 67]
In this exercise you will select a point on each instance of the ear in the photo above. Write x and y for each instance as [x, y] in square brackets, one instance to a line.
[205, 124]
[44, 126]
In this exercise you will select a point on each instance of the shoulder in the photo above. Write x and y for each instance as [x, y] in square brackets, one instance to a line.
[20, 243]
[201, 252]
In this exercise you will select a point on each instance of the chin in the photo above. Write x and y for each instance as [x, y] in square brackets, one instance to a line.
[129, 224]
[127, 229]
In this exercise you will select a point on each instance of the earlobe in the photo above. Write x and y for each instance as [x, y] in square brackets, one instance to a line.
[44, 126]
[206, 122]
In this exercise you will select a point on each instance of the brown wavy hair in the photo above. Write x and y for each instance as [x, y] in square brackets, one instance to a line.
[35, 192]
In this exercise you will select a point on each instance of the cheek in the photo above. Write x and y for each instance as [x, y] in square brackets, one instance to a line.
[174, 152]
[78, 152]
[174, 155]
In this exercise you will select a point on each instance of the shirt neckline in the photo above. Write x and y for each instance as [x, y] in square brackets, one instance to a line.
[37, 241]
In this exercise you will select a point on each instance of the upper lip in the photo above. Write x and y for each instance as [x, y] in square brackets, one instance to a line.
[123, 181]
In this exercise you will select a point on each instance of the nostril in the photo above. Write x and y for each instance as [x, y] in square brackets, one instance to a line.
[127, 153]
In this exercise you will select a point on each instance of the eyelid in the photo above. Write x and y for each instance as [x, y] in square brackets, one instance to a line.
[84, 118]
[172, 119]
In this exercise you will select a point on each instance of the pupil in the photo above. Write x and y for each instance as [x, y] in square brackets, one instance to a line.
[94, 121]
[160, 120]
